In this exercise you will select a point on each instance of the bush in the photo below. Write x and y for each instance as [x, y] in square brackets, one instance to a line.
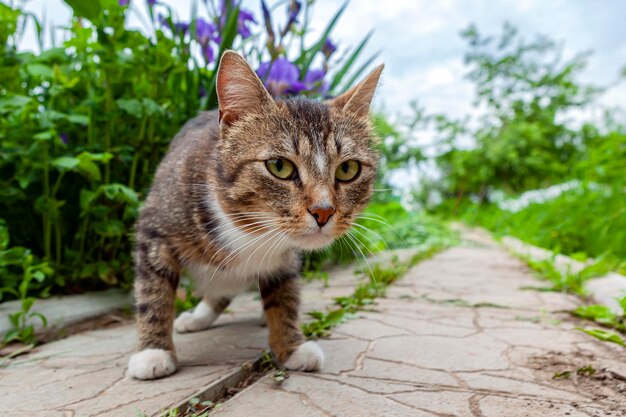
[83, 125]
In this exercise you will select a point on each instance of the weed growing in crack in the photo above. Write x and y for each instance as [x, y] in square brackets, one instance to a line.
[378, 278]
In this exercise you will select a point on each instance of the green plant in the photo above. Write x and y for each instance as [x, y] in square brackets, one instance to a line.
[377, 278]
[20, 259]
[83, 124]
[604, 335]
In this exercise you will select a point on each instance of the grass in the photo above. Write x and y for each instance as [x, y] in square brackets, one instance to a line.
[574, 283]
[580, 223]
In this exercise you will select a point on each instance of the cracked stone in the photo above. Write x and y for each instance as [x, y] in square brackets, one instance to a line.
[436, 352]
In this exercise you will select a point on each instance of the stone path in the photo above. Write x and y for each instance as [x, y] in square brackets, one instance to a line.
[455, 337]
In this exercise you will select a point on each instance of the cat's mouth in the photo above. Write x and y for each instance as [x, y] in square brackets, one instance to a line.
[314, 240]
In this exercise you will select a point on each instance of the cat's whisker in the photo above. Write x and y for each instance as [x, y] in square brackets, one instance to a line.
[357, 242]
[384, 223]
[367, 239]
[275, 246]
[261, 227]
[367, 229]
[260, 246]
[249, 229]
[240, 250]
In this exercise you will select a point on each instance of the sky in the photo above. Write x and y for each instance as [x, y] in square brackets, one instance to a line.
[421, 47]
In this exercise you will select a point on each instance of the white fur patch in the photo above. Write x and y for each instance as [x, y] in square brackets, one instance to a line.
[320, 161]
[151, 364]
[201, 318]
[255, 256]
[308, 357]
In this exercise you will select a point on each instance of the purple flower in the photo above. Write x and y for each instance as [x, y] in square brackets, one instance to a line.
[179, 27]
[281, 77]
[244, 18]
[294, 11]
[329, 48]
[206, 33]
[64, 138]
[314, 81]
[124, 2]
[151, 2]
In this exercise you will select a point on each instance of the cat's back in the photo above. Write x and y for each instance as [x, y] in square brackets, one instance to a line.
[183, 169]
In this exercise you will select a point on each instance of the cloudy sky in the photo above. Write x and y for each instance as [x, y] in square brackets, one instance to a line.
[421, 47]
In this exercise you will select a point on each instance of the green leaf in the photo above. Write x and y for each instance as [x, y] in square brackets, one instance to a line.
[40, 70]
[120, 193]
[65, 163]
[44, 320]
[89, 169]
[89, 9]
[27, 303]
[229, 32]
[599, 313]
[307, 58]
[109, 228]
[14, 102]
[79, 119]
[603, 335]
[349, 62]
[357, 74]
[13, 256]
[131, 106]
[106, 273]
[47, 135]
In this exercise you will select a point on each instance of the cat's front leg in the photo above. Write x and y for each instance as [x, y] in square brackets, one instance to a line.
[281, 300]
[157, 275]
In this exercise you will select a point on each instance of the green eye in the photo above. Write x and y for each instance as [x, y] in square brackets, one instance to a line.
[348, 170]
[281, 168]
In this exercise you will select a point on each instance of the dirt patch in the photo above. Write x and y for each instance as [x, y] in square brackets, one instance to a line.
[586, 374]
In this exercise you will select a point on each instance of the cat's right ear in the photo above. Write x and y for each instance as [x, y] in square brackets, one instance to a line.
[239, 89]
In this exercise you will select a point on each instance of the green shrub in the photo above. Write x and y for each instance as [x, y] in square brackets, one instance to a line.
[84, 124]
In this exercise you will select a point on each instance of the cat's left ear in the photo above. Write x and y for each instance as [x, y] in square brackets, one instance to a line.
[358, 99]
[239, 89]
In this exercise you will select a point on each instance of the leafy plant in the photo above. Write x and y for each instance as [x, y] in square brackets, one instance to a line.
[83, 124]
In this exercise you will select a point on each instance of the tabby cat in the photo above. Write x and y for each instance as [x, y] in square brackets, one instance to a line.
[241, 192]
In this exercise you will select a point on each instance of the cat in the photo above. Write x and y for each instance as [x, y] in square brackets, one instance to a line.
[239, 194]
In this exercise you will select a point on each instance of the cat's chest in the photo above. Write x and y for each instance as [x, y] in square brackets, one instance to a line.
[247, 262]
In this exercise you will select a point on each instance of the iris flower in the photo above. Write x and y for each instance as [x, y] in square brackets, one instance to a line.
[282, 78]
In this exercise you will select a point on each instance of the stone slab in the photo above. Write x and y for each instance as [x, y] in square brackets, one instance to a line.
[65, 310]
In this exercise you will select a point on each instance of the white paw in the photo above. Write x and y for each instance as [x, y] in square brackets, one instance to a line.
[201, 318]
[151, 364]
[307, 357]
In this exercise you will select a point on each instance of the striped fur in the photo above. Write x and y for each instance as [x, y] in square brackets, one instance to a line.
[216, 212]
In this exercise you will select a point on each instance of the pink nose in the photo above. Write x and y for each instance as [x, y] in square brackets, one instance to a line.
[322, 214]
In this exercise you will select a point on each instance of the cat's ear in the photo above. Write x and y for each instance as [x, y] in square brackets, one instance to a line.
[358, 99]
[239, 89]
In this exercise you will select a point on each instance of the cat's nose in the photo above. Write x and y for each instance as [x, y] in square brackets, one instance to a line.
[322, 214]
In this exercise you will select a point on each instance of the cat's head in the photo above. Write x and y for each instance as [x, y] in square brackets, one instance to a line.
[297, 170]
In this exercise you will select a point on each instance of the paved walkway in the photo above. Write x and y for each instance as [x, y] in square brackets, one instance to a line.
[455, 337]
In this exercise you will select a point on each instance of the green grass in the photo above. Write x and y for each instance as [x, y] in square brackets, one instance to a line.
[580, 223]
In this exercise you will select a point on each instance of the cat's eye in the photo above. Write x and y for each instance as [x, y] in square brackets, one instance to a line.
[348, 170]
[281, 168]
